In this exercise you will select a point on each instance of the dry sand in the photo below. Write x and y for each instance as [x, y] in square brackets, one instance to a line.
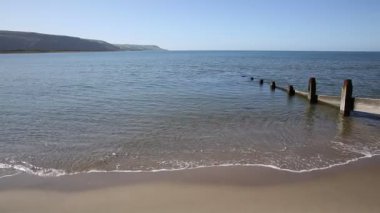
[350, 188]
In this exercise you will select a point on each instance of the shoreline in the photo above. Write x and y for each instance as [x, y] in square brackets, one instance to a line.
[51, 172]
[349, 188]
[97, 178]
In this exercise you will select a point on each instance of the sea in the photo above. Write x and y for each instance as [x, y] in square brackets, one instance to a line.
[149, 111]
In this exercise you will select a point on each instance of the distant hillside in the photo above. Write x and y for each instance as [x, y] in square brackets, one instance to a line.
[13, 41]
[134, 47]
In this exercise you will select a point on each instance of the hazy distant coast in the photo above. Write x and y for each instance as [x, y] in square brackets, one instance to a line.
[15, 41]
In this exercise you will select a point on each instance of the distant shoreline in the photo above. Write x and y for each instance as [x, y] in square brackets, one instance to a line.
[30, 42]
[73, 51]
[165, 50]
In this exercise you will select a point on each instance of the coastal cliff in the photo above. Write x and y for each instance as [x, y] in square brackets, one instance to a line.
[15, 41]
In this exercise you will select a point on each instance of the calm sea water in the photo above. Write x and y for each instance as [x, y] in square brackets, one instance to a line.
[76, 112]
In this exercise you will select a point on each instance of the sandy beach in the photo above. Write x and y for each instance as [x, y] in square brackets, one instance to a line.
[349, 188]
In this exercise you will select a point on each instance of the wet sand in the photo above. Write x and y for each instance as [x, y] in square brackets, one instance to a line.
[350, 188]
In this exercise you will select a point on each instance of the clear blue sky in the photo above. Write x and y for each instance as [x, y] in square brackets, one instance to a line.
[205, 24]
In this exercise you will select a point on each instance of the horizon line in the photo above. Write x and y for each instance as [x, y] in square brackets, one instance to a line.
[215, 50]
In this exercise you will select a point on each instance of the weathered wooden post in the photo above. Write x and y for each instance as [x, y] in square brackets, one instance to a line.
[312, 89]
[291, 90]
[273, 85]
[261, 81]
[346, 100]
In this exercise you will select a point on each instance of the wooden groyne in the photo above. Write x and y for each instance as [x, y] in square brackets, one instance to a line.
[345, 102]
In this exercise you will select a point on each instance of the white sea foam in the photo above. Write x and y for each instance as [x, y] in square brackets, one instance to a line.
[351, 148]
[28, 168]
[238, 164]
[50, 172]
[34, 170]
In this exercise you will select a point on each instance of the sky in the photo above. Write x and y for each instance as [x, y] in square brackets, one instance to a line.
[322, 25]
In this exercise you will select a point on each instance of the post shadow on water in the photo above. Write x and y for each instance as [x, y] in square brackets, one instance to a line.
[310, 114]
[358, 122]
[347, 127]
[312, 111]
[344, 125]
[365, 115]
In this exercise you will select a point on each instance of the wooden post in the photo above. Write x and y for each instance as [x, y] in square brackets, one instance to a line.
[346, 100]
[291, 90]
[273, 85]
[261, 81]
[312, 89]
